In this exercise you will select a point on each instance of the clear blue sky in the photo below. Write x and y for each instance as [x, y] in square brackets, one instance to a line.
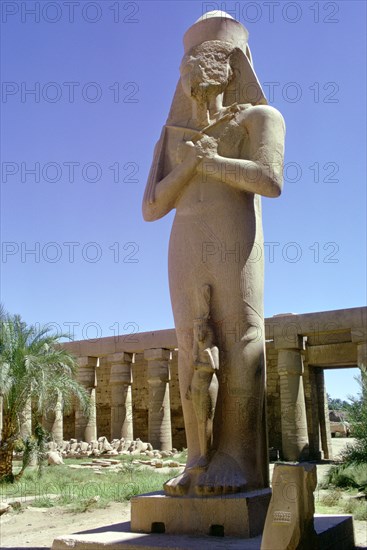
[104, 74]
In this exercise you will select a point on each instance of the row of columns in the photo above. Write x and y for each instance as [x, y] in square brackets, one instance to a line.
[295, 442]
[159, 415]
[121, 379]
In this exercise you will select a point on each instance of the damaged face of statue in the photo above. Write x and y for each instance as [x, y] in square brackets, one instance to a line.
[206, 70]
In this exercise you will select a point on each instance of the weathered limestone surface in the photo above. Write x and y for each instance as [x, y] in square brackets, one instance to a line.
[289, 522]
[220, 150]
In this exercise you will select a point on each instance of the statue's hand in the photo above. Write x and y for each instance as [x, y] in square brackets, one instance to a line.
[187, 153]
[207, 147]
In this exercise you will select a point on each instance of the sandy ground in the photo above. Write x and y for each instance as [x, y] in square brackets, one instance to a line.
[37, 527]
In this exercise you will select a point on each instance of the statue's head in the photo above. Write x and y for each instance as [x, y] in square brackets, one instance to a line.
[216, 59]
[217, 25]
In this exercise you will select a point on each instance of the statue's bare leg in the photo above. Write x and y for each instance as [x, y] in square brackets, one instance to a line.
[236, 465]
[180, 484]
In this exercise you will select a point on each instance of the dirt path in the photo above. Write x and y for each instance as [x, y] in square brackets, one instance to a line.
[37, 527]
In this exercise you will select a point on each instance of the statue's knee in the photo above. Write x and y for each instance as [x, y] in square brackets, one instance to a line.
[253, 335]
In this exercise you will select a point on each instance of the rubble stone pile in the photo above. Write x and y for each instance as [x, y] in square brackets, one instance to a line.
[81, 449]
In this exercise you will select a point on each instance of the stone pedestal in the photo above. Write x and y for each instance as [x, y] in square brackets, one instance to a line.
[239, 515]
[86, 425]
[332, 532]
[159, 420]
[121, 396]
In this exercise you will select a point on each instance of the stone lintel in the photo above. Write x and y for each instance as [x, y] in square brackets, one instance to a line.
[240, 515]
[157, 354]
[121, 357]
[332, 354]
[290, 341]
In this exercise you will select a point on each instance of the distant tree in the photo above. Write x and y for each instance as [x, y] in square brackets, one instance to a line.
[33, 366]
[337, 404]
[357, 417]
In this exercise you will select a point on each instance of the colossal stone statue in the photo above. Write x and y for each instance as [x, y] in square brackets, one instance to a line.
[220, 150]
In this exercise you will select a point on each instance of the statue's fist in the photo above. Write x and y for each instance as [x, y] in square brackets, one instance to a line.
[206, 147]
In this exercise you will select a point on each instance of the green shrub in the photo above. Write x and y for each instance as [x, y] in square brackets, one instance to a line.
[357, 417]
[348, 475]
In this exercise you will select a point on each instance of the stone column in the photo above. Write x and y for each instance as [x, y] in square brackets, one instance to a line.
[25, 420]
[86, 425]
[293, 409]
[52, 420]
[57, 428]
[1, 415]
[362, 363]
[362, 356]
[121, 396]
[313, 424]
[359, 336]
[159, 420]
[323, 410]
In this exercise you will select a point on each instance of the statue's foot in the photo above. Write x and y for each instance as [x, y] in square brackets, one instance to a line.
[177, 486]
[200, 464]
[223, 476]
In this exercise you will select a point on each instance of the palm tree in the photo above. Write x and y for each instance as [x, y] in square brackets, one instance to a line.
[34, 368]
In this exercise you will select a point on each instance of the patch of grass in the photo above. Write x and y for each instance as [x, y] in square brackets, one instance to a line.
[357, 508]
[182, 457]
[43, 502]
[338, 501]
[331, 498]
[82, 489]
